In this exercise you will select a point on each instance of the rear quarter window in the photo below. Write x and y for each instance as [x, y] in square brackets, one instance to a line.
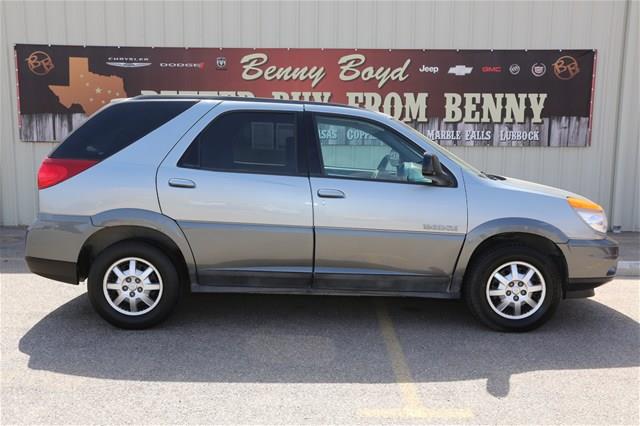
[117, 127]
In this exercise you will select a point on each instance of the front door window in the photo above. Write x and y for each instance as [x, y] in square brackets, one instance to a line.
[359, 149]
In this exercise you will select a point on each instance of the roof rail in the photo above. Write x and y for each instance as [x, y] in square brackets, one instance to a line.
[238, 99]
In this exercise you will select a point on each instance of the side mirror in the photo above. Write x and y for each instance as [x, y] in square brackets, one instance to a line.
[432, 170]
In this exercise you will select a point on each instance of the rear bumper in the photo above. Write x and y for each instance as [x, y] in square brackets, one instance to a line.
[54, 243]
[590, 263]
[53, 269]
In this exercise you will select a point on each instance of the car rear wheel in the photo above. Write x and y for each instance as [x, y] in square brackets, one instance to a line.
[513, 288]
[133, 285]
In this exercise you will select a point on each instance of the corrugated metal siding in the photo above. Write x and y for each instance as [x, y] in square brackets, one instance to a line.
[438, 25]
[626, 178]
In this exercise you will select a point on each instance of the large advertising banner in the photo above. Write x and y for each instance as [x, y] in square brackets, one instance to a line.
[455, 97]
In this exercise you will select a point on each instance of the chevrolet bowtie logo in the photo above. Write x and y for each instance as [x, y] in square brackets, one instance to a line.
[460, 70]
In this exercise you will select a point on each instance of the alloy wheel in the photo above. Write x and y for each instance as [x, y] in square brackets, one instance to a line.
[516, 290]
[132, 286]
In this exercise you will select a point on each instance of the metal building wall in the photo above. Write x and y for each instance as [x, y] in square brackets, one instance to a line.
[626, 177]
[605, 26]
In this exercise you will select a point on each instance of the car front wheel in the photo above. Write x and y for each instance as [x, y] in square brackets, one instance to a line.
[513, 288]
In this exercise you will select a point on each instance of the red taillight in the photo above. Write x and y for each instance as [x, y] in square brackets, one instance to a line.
[55, 170]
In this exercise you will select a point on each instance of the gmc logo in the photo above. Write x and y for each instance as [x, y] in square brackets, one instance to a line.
[491, 69]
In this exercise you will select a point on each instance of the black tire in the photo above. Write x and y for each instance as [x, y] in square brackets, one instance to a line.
[482, 268]
[170, 285]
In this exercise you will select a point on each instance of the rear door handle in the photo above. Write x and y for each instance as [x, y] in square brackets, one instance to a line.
[330, 193]
[182, 183]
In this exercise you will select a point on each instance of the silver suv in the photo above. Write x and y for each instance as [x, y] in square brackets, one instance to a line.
[154, 195]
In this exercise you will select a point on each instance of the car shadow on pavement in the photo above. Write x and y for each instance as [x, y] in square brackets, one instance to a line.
[301, 339]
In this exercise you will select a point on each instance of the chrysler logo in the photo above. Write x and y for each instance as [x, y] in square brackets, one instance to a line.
[128, 62]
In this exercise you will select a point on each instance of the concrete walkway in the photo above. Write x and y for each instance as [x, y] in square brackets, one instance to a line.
[629, 263]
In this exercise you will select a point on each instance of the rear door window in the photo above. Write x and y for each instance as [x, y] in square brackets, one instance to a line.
[258, 142]
[117, 127]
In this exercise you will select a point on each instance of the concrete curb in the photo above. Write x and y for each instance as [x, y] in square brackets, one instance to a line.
[628, 268]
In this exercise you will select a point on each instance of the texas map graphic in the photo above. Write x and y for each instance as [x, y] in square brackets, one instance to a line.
[89, 90]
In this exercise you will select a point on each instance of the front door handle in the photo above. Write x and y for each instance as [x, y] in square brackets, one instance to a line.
[330, 193]
[182, 183]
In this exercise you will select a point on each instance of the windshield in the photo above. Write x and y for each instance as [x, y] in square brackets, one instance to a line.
[444, 151]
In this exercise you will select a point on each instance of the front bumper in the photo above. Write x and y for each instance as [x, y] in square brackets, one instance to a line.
[590, 263]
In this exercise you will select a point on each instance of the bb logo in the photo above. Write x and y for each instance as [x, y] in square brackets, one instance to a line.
[566, 67]
[514, 69]
[39, 63]
[221, 63]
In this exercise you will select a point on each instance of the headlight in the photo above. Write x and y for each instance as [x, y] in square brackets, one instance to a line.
[591, 213]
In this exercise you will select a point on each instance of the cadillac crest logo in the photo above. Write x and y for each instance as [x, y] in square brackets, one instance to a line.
[538, 69]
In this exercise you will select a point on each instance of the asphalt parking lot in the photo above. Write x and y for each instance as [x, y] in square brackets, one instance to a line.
[230, 359]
